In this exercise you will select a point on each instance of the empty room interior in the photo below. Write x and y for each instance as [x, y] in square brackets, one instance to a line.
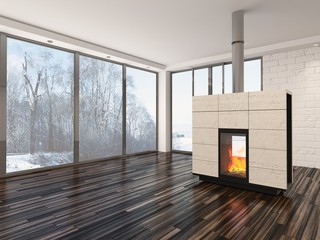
[160, 119]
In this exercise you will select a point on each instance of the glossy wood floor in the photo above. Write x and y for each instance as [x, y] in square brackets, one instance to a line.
[152, 196]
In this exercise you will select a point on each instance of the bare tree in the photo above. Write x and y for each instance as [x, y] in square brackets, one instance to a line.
[46, 56]
[100, 108]
[33, 97]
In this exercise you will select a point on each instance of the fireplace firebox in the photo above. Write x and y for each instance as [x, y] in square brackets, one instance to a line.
[233, 155]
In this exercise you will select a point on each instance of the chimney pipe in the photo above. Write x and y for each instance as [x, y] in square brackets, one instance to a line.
[237, 51]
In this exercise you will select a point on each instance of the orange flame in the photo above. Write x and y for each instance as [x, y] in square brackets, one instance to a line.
[236, 164]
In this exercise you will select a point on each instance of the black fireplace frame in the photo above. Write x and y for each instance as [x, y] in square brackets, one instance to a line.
[227, 178]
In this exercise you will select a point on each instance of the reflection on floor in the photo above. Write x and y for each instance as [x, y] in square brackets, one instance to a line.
[152, 196]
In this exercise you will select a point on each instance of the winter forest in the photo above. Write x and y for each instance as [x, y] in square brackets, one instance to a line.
[40, 113]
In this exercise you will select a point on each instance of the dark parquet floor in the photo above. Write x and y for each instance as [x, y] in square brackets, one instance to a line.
[152, 196]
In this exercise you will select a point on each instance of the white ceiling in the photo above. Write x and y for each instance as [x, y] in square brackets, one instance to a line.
[169, 31]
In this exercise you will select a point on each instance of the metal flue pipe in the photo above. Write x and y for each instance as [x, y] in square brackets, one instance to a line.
[238, 51]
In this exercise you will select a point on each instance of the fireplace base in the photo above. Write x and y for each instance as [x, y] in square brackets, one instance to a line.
[241, 185]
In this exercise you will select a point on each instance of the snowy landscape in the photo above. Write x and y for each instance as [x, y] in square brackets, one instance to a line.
[30, 161]
[182, 137]
[40, 108]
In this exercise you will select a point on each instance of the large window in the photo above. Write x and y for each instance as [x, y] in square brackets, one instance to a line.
[100, 109]
[201, 82]
[228, 78]
[217, 80]
[141, 112]
[182, 111]
[39, 106]
[64, 107]
[221, 83]
[252, 76]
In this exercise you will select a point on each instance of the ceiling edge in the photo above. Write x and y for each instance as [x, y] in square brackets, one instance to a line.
[20, 29]
[248, 53]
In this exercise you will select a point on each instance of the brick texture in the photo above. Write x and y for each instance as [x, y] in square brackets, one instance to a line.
[299, 72]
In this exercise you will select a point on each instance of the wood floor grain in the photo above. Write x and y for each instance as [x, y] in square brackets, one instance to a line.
[152, 196]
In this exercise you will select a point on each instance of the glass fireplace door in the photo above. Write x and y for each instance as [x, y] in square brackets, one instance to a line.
[233, 153]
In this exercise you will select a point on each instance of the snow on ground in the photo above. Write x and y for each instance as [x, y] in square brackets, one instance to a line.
[19, 162]
[182, 137]
[182, 143]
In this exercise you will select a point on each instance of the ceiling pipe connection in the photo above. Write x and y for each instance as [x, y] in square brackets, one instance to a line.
[238, 51]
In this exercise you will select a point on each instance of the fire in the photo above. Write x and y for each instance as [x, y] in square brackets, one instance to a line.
[237, 164]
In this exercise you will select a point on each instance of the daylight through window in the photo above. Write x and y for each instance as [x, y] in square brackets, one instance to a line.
[100, 109]
[141, 112]
[182, 111]
[39, 106]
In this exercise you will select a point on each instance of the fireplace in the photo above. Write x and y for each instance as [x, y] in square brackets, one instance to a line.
[223, 123]
[233, 155]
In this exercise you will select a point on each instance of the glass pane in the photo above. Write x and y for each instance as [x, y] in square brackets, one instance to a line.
[233, 154]
[100, 109]
[141, 110]
[217, 80]
[39, 106]
[252, 75]
[201, 82]
[228, 78]
[182, 111]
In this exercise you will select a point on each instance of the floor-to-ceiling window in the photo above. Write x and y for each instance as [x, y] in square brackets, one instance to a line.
[252, 75]
[228, 78]
[100, 123]
[182, 111]
[200, 82]
[141, 110]
[221, 83]
[47, 91]
[39, 106]
[217, 79]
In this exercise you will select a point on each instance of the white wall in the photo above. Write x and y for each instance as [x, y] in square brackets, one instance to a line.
[164, 112]
[299, 72]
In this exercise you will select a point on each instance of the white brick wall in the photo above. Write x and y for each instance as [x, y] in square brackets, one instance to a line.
[299, 72]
